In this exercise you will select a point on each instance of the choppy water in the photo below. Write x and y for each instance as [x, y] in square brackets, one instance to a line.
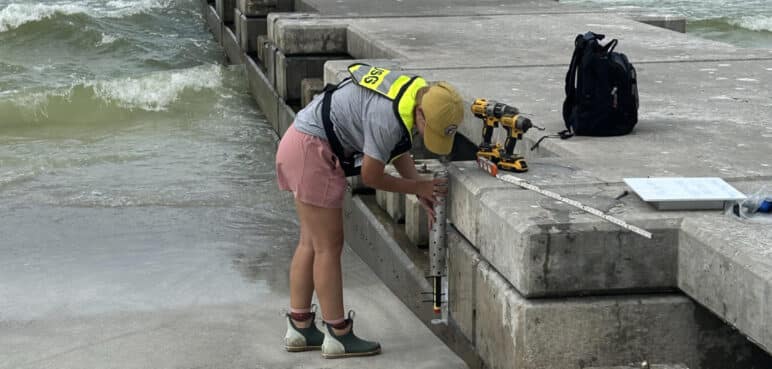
[126, 147]
[741, 22]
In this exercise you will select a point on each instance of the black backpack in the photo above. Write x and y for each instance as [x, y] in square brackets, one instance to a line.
[601, 90]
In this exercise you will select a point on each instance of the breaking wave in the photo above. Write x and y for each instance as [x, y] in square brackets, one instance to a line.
[16, 15]
[759, 23]
[95, 100]
[157, 91]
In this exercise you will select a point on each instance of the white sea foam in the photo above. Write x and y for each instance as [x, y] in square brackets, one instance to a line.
[754, 22]
[123, 8]
[152, 92]
[106, 39]
[35, 104]
[14, 177]
[15, 15]
[155, 92]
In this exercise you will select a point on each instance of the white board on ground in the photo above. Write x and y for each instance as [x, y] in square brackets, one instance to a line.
[681, 193]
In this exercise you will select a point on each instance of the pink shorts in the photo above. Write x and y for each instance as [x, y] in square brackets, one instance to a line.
[307, 166]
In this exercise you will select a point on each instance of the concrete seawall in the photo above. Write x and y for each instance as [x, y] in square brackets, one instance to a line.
[533, 283]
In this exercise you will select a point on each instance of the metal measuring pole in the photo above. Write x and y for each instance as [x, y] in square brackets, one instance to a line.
[437, 245]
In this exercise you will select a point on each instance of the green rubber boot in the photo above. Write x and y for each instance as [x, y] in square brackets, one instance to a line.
[347, 345]
[303, 339]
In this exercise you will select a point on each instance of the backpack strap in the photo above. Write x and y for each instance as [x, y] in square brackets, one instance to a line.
[568, 104]
[571, 75]
[348, 164]
[563, 135]
[609, 47]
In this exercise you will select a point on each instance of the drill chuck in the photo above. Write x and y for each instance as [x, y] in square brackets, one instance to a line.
[499, 110]
[483, 108]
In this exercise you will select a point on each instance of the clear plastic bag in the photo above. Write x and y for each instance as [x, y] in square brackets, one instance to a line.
[755, 208]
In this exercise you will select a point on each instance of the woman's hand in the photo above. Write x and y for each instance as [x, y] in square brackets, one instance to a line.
[428, 192]
[428, 205]
[432, 189]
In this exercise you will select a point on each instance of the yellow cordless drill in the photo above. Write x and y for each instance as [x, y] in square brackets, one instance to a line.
[494, 113]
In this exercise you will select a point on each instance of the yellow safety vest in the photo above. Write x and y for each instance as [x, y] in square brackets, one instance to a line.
[399, 88]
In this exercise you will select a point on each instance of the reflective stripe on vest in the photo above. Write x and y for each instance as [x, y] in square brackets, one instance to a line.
[400, 88]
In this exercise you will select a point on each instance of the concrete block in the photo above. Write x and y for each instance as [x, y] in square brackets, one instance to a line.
[260, 47]
[360, 44]
[231, 45]
[394, 201]
[380, 199]
[467, 185]
[512, 332]
[416, 222]
[215, 23]
[225, 10]
[299, 36]
[462, 271]
[381, 245]
[269, 63]
[427, 167]
[673, 23]
[290, 70]
[247, 31]
[262, 92]
[286, 5]
[437, 42]
[286, 117]
[273, 18]
[726, 265]
[416, 219]
[255, 8]
[384, 248]
[395, 206]
[337, 70]
[643, 366]
[238, 28]
[309, 88]
[548, 248]
[433, 8]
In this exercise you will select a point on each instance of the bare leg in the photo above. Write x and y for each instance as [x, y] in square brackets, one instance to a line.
[301, 272]
[325, 229]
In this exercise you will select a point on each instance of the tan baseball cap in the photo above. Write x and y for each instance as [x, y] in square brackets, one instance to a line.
[443, 109]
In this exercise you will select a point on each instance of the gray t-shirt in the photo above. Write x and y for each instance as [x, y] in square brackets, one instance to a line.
[364, 121]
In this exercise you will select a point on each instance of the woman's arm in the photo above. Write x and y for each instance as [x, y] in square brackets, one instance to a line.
[374, 176]
[406, 166]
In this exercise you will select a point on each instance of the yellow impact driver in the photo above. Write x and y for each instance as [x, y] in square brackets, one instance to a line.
[515, 125]
[494, 113]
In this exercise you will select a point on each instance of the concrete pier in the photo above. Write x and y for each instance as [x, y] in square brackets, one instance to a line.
[534, 283]
[205, 289]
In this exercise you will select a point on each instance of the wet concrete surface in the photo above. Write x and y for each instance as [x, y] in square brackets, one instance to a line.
[201, 288]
